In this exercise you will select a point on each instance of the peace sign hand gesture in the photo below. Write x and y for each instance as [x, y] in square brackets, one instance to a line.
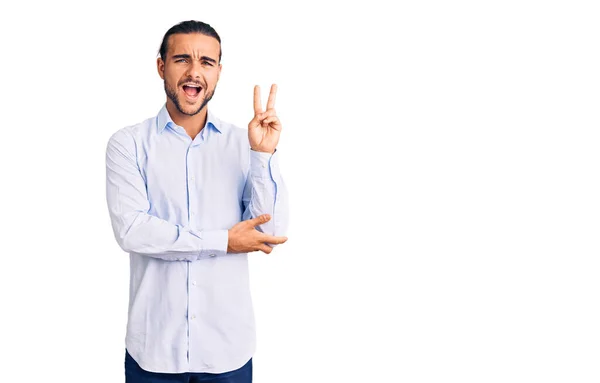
[265, 127]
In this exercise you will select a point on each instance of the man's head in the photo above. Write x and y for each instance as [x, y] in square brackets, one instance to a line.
[190, 65]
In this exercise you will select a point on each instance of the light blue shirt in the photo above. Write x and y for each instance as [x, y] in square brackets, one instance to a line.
[171, 201]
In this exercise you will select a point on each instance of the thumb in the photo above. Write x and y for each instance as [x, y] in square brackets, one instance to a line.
[255, 121]
[259, 220]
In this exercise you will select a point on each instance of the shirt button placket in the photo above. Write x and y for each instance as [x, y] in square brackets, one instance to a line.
[190, 269]
[190, 186]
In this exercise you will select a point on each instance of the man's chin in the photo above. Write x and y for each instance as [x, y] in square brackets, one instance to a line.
[191, 110]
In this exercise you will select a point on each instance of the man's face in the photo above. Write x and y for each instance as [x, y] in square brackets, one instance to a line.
[190, 71]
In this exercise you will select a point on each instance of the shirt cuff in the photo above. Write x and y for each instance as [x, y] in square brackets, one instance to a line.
[264, 165]
[214, 243]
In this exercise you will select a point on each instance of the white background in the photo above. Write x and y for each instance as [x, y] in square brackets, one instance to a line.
[442, 160]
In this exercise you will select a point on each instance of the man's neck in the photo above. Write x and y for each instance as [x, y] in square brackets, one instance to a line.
[192, 124]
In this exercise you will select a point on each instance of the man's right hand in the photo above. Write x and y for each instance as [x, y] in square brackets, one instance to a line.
[244, 238]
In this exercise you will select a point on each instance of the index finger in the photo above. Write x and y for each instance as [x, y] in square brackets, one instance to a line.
[257, 103]
[273, 239]
[271, 102]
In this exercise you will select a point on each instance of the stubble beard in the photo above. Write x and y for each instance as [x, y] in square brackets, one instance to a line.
[173, 96]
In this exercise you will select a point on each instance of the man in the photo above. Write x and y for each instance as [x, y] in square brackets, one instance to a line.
[189, 196]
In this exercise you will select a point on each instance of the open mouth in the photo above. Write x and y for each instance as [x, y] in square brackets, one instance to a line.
[192, 91]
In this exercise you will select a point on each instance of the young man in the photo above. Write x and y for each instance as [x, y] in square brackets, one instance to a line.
[189, 196]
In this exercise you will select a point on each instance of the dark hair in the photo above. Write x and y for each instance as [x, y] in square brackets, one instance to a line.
[186, 27]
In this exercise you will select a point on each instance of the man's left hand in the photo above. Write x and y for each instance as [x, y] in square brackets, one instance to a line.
[265, 127]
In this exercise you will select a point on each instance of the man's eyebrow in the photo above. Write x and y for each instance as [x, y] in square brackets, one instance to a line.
[186, 56]
[208, 59]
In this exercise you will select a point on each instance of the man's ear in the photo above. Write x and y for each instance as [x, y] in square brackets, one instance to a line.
[219, 74]
[160, 66]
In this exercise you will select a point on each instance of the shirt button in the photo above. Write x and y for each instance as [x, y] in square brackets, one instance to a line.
[212, 255]
[264, 166]
[191, 178]
[194, 283]
[193, 317]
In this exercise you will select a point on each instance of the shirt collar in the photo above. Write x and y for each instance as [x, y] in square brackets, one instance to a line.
[164, 119]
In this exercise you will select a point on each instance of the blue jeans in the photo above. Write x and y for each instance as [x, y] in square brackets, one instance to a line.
[135, 374]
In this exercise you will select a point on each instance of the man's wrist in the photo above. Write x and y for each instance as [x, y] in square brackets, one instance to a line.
[262, 151]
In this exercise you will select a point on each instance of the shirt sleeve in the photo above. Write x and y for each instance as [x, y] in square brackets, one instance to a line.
[265, 192]
[135, 230]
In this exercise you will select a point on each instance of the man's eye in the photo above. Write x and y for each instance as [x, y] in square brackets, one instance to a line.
[207, 63]
[179, 60]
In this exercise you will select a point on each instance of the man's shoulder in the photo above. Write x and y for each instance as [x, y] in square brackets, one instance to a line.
[229, 128]
[135, 131]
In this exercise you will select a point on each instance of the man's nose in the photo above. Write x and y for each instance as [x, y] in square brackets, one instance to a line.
[194, 69]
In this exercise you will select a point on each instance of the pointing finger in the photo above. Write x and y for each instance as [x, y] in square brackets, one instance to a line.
[271, 102]
[273, 239]
[257, 103]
